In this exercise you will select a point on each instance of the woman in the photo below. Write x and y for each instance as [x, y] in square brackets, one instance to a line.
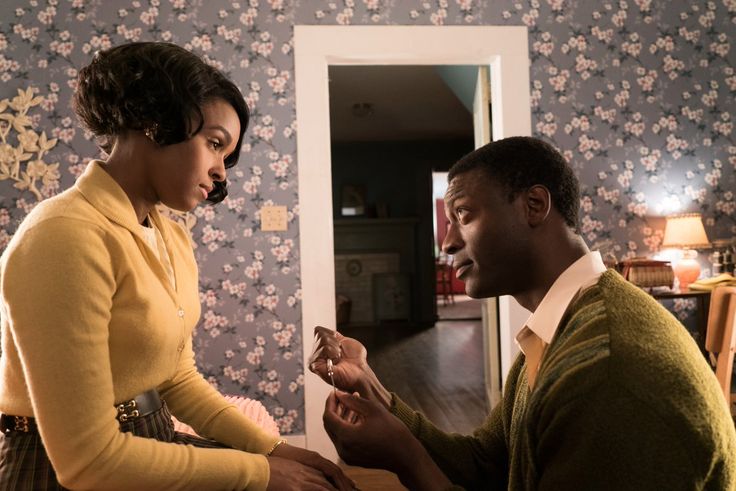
[99, 298]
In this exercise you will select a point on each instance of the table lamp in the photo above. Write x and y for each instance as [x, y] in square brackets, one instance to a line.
[685, 231]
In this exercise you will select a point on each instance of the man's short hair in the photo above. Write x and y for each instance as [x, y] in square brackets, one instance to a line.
[520, 162]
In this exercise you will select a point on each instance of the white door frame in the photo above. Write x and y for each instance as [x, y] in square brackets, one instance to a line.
[504, 48]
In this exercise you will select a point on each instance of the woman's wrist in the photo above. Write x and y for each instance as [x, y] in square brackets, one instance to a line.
[275, 446]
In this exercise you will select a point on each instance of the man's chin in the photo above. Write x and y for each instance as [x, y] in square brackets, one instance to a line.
[472, 291]
[479, 292]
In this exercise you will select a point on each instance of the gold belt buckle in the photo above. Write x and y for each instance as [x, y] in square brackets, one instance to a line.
[127, 410]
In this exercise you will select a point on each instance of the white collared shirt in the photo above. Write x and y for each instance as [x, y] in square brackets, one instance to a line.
[544, 320]
[156, 242]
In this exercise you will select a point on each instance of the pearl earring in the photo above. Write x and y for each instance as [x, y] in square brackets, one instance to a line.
[149, 132]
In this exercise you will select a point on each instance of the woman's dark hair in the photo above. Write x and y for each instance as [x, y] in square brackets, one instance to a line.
[155, 87]
[520, 162]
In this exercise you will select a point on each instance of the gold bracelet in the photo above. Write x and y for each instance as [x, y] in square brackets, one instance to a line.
[279, 442]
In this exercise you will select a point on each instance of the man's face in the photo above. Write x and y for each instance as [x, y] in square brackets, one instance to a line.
[488, 235]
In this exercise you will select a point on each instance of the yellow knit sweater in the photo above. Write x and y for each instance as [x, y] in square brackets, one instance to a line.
[90, 318]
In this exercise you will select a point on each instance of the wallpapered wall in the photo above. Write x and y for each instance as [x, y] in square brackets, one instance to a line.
[638, 93]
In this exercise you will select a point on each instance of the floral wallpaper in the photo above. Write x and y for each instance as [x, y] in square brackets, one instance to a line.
[639, 94]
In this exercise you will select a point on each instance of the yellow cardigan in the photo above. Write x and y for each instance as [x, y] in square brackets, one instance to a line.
[90, 318]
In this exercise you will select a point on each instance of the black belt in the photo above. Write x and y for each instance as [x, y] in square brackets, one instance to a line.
[23, 424]
[141, 405]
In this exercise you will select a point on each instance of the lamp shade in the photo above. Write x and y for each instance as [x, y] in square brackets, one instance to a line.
[685, 231]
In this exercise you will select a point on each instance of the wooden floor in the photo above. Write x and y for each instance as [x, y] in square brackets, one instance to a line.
[438, 371]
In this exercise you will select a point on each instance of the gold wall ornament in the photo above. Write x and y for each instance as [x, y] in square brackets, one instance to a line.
[22, 150]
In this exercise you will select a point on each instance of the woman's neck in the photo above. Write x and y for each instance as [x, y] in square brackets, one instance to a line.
[126, 166]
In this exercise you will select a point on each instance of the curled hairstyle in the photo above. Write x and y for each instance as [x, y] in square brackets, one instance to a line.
[158, 88]
[520, 162]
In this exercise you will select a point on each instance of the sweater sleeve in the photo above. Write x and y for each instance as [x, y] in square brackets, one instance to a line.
[58, 284]
[477, 461]
[195, 402]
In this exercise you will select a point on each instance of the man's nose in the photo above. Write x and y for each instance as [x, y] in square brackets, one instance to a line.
[453, 242]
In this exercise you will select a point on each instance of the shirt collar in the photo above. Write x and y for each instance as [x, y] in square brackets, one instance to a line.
[581, 274]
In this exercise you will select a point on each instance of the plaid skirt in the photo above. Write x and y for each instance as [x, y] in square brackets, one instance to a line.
[24, 465]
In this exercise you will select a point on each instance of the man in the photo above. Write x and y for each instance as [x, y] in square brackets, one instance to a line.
[609, 392]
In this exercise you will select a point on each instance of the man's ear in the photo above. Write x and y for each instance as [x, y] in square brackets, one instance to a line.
[538, 204]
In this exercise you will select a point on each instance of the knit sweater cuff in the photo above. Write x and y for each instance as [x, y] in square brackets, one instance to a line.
[405, 414]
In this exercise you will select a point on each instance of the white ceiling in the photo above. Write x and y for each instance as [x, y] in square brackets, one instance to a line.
[408, 103]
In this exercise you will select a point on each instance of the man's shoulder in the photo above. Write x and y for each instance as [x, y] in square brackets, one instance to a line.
[621, 310]
[619, 344]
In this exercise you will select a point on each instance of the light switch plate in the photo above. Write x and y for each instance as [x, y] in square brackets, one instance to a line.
[273, 218]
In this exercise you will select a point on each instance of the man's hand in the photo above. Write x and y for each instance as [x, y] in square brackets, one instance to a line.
[366, 434]
[350, 365]
[314, 462]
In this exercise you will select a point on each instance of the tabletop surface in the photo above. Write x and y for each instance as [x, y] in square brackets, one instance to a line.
[678, 293]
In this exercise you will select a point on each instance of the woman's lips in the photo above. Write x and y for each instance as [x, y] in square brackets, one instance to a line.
[204, 192]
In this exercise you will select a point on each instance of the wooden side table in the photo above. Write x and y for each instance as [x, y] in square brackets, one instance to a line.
[702, 305]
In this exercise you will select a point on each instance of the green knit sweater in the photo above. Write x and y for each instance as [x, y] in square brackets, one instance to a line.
[623, 401]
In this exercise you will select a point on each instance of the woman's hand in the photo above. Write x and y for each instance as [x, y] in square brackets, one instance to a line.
[306, 469]
[350, 365]
[289, 475]
[368, 435]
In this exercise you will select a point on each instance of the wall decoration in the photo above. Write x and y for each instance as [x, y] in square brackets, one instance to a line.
[354, 267]
[352, 200]
[391, 296]
[22, 149]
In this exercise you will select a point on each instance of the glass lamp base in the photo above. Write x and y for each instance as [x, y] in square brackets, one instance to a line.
[687, 269]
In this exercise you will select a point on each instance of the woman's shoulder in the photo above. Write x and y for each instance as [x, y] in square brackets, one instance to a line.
[60, 220]
[68, 205]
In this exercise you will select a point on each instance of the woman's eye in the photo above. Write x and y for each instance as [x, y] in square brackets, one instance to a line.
[215, 144]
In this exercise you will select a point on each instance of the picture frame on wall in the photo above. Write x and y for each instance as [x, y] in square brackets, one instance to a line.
[352, 200]
[391, 296]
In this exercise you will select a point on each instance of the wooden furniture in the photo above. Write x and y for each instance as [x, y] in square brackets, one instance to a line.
[702, 303]
[444, 281]
[721, 337]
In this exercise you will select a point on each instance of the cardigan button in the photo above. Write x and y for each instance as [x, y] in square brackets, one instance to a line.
[180, 312]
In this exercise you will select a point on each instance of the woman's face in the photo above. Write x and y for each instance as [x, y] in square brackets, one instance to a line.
[182, 174]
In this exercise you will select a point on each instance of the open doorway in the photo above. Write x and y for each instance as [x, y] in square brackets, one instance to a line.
[503, 48]
[392, 128]
[453, 305]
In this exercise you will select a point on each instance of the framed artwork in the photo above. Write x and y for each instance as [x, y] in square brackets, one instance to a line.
[352, 201]
[392, 296]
